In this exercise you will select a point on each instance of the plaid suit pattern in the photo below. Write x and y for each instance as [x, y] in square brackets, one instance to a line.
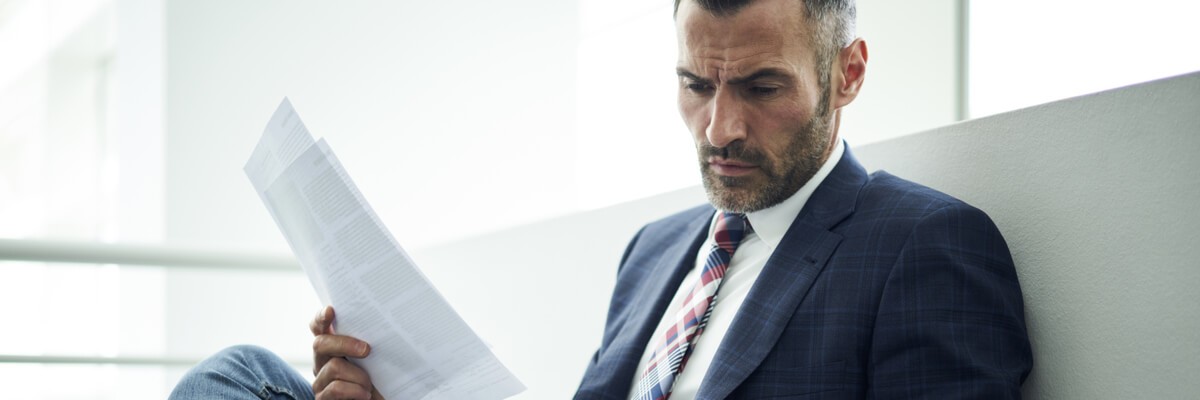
[881, 288]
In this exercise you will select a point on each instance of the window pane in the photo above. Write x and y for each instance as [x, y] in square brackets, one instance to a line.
[1028, 52]
[69, 381]
[82, 310]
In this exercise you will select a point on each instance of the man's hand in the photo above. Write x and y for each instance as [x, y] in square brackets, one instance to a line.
[337, 377]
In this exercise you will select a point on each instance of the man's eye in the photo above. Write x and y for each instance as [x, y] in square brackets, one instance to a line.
[763, 91]
[697, 87]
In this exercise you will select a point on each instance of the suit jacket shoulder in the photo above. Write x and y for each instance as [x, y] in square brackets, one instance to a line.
[896, 206]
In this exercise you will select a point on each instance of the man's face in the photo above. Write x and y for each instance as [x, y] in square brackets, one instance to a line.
[749, 93]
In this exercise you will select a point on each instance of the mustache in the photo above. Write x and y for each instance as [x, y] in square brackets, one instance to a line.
[736, 151]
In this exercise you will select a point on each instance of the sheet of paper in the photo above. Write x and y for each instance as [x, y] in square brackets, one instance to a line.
[420, 347]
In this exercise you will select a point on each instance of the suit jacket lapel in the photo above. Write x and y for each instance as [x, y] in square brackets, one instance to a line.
[785, 280]
[679, 257]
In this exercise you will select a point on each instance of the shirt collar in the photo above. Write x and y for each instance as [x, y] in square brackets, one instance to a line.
[770, 224]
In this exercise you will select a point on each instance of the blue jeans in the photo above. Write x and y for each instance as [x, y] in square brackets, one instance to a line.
[243, 372]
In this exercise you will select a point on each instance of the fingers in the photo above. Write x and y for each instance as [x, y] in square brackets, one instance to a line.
[340, 346]
[326, 347]
[320, 325]
[341, 379]
[337, 378]
[340, 390]
[322, 322]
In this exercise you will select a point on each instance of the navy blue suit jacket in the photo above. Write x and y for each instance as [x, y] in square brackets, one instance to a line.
[881, 288]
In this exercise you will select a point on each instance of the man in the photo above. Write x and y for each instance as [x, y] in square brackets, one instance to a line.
[848, 285]
[831, 283]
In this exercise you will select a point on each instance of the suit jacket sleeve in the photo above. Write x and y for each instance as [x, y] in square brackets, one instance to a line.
[615, 304]
[950, 322]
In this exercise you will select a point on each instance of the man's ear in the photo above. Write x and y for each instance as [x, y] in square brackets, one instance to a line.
[849, 70]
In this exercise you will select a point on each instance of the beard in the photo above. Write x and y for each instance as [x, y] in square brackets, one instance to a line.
[779, 179]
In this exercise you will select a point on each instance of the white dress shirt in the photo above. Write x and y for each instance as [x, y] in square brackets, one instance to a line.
[768, 227]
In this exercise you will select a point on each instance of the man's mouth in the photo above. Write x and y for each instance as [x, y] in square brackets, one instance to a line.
[726, 167]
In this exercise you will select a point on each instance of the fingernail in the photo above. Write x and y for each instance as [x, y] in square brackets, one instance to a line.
[362, 349]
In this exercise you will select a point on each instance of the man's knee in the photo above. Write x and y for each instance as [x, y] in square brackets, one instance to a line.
[250, 356]
[238, 371]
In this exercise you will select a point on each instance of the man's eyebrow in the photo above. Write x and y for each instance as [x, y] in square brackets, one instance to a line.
[760, 74]
[683, 73]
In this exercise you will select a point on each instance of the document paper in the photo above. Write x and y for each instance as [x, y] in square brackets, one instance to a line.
[420, 347]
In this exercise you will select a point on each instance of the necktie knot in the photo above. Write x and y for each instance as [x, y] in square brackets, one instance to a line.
[731, 228]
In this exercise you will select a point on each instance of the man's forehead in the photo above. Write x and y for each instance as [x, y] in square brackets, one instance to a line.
[764, 32]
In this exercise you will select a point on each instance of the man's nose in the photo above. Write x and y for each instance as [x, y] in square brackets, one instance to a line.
[727, 123]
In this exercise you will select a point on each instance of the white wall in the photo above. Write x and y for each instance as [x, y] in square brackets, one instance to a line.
[913, 69]
[447, 114]
[1096, 196]
[432, 106]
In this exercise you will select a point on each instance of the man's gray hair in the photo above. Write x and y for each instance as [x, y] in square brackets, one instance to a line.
[833, 21]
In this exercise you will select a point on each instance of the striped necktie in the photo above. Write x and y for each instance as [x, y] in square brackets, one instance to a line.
[673, 347]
